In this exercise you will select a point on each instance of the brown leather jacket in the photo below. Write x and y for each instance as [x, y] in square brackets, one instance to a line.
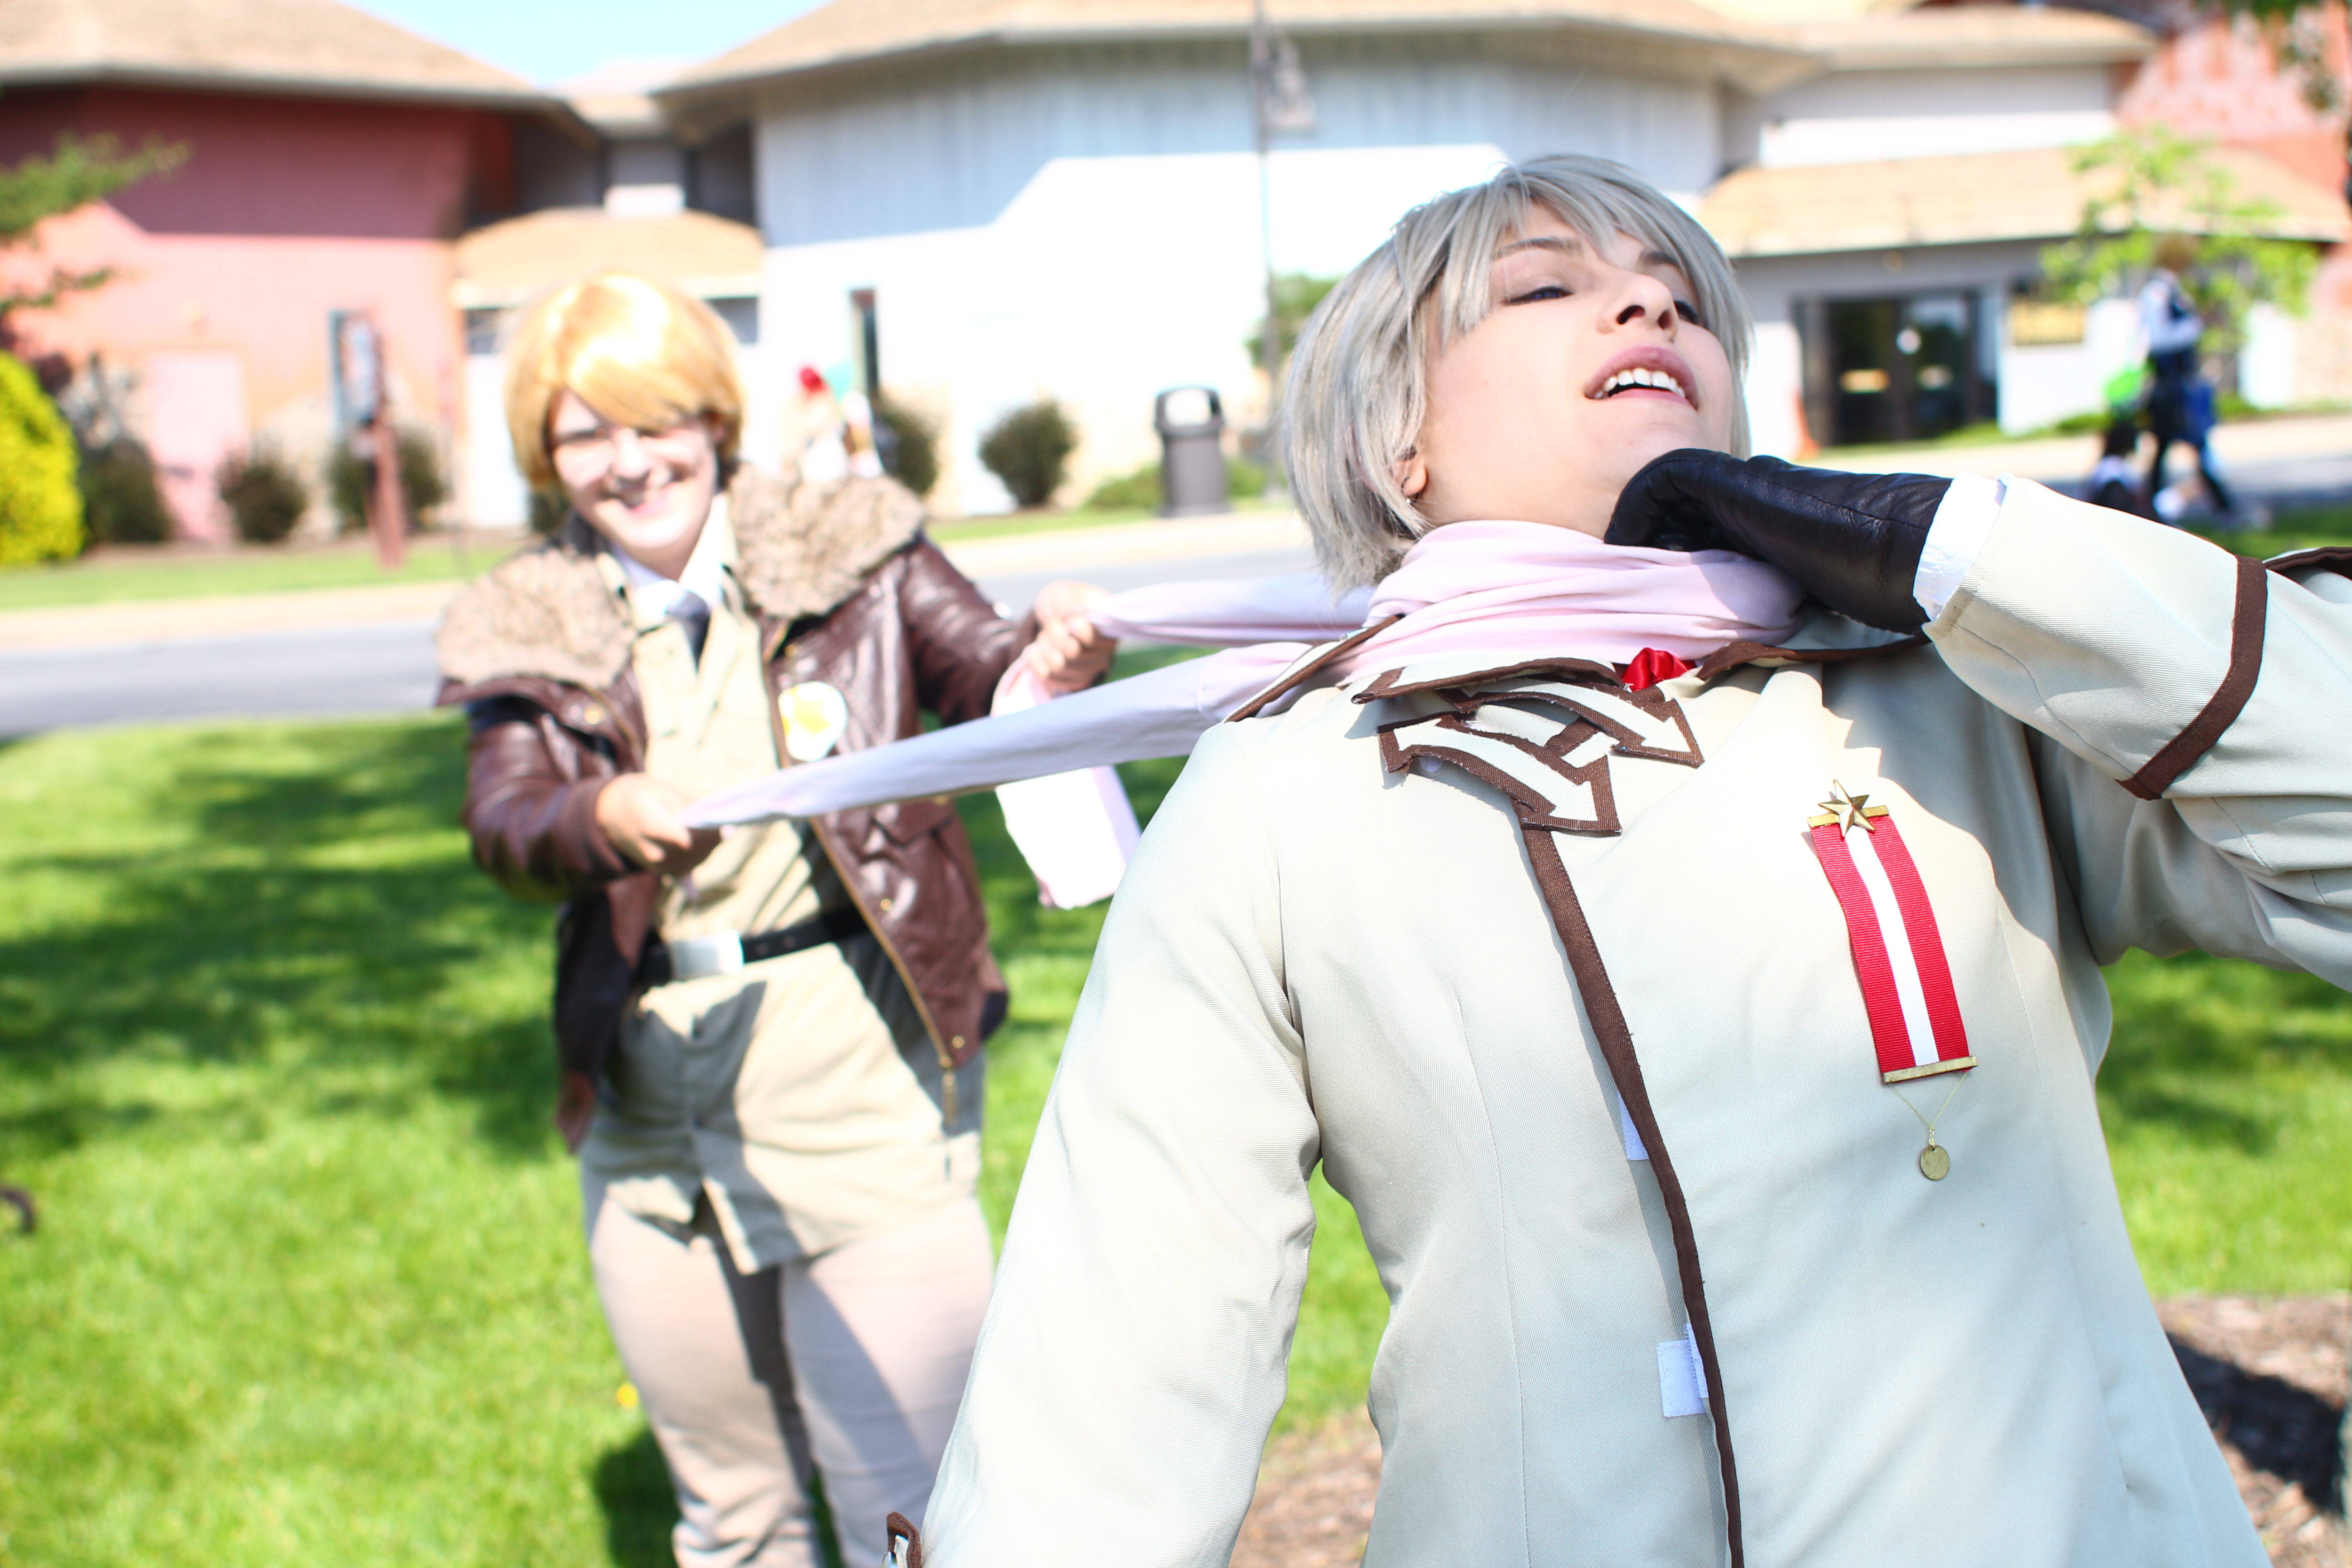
[845, 590]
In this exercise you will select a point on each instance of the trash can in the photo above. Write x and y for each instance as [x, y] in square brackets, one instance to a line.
[1191, 421]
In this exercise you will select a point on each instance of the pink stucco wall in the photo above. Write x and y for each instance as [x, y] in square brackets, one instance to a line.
[2219, 78]
[286, 210]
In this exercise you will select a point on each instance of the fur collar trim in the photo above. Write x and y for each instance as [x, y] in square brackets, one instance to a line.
[801, 550]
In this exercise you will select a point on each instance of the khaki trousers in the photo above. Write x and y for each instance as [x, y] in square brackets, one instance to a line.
[849, 1365]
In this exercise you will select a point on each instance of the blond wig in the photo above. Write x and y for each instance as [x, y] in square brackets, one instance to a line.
[640, 352]
[1359, 383]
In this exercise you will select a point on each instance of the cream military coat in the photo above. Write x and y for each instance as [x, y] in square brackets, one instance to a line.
[1367, 951]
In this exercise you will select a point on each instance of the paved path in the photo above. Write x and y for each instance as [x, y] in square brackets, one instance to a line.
[370, 650]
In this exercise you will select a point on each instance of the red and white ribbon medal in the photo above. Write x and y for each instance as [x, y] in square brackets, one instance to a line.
[1899, 953]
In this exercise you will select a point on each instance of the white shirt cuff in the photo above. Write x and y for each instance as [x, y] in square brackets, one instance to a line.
[1963, 522]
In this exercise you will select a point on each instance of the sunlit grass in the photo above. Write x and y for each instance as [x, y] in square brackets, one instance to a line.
[309, 1283]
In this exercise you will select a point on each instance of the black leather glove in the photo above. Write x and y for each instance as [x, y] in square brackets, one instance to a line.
[1852, 540]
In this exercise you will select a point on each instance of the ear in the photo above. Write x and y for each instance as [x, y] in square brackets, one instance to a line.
[1411, 475]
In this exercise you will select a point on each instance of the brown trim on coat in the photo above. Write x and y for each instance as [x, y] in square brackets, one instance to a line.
[1578, 671]
[2337, 558]
[1628, 742]
[1733, 655]
[1531, 809]
[2247, 618]
[1615, 1039]
[896, 1529]
[1298, 674]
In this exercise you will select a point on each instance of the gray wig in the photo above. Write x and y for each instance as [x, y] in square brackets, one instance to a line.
[1358, 381]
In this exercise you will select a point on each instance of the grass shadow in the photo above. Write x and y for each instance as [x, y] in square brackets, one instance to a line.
[632, 1486]
[2191, 1033]
[309, 907]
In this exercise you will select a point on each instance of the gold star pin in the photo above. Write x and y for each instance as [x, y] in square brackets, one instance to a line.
[1855, 808]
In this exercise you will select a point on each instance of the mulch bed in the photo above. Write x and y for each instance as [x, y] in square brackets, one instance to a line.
[2269, 1372]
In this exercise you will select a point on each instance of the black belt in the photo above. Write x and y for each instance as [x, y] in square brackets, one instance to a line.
[723, 953]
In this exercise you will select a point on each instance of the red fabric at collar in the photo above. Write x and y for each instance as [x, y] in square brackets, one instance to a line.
[1651, 666]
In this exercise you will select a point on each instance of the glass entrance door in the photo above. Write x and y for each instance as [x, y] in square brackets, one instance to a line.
[1894, 369]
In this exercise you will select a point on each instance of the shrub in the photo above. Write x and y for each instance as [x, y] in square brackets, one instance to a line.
[1124, 492]
[265, 496]
[1141, 487]
[1029, 449]
[908, 443]
[40, 505]
[420, 477]
[120, 502]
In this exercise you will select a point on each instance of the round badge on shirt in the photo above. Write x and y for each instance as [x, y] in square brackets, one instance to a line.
[815, 715]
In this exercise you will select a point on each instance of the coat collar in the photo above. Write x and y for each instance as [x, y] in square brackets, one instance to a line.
[551, 611]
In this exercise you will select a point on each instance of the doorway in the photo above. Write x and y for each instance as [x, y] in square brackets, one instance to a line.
[1901, 368]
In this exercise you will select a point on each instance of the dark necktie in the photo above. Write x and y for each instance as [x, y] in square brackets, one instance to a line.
[692, 613]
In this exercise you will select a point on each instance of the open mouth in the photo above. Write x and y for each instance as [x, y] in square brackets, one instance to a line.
[1643, 378]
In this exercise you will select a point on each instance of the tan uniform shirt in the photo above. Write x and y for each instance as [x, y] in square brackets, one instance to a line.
[1314, 959]
[796, 1094]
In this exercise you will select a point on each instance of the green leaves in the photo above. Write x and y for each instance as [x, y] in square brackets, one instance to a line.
[80, 170]
[2143, 185]
[79, 173]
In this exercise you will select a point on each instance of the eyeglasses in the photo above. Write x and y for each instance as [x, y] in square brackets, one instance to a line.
[581, 456]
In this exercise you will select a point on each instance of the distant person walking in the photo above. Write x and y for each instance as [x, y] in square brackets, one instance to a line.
[2179, 399]
[769, 1040]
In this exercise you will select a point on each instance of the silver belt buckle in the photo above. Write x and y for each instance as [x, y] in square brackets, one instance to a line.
[698, 957]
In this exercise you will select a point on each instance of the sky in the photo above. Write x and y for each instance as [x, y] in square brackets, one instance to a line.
[551, 41]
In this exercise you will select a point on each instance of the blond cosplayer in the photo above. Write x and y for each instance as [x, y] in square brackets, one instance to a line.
[639, 352]
[770, 1042]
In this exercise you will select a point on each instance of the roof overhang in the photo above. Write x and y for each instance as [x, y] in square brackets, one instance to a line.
[1981, 37]
[1970, 198]
[1676, 38]
[63, 73]
[512, 261]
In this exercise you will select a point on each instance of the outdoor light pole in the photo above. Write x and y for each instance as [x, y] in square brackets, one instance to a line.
[1278, 97]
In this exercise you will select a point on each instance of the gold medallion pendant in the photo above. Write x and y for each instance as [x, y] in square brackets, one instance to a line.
[1935, 1163]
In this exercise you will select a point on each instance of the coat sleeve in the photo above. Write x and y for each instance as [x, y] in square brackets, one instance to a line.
[961, 645]
[1135, 1347]
[2193, 715]
[530, 804]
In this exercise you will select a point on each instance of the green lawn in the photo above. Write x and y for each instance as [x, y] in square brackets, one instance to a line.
[310, 1284]
[129, 575]
[2303, 527]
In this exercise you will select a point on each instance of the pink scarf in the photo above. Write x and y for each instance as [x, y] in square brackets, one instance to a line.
[1508, 588]
[1519, 588]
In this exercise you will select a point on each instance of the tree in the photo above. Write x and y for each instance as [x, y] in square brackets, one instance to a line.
[1296, 295]
[79, 173]
[2150, 182]
[2296, 31]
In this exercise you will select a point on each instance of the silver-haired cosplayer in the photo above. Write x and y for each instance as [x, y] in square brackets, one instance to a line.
[1673, 919]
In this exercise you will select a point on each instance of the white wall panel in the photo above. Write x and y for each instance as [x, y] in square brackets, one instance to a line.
[1850, 116]
[951, 146]
[2266, 365]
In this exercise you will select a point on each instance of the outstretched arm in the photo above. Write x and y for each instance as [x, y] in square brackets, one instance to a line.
[2195, 720]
